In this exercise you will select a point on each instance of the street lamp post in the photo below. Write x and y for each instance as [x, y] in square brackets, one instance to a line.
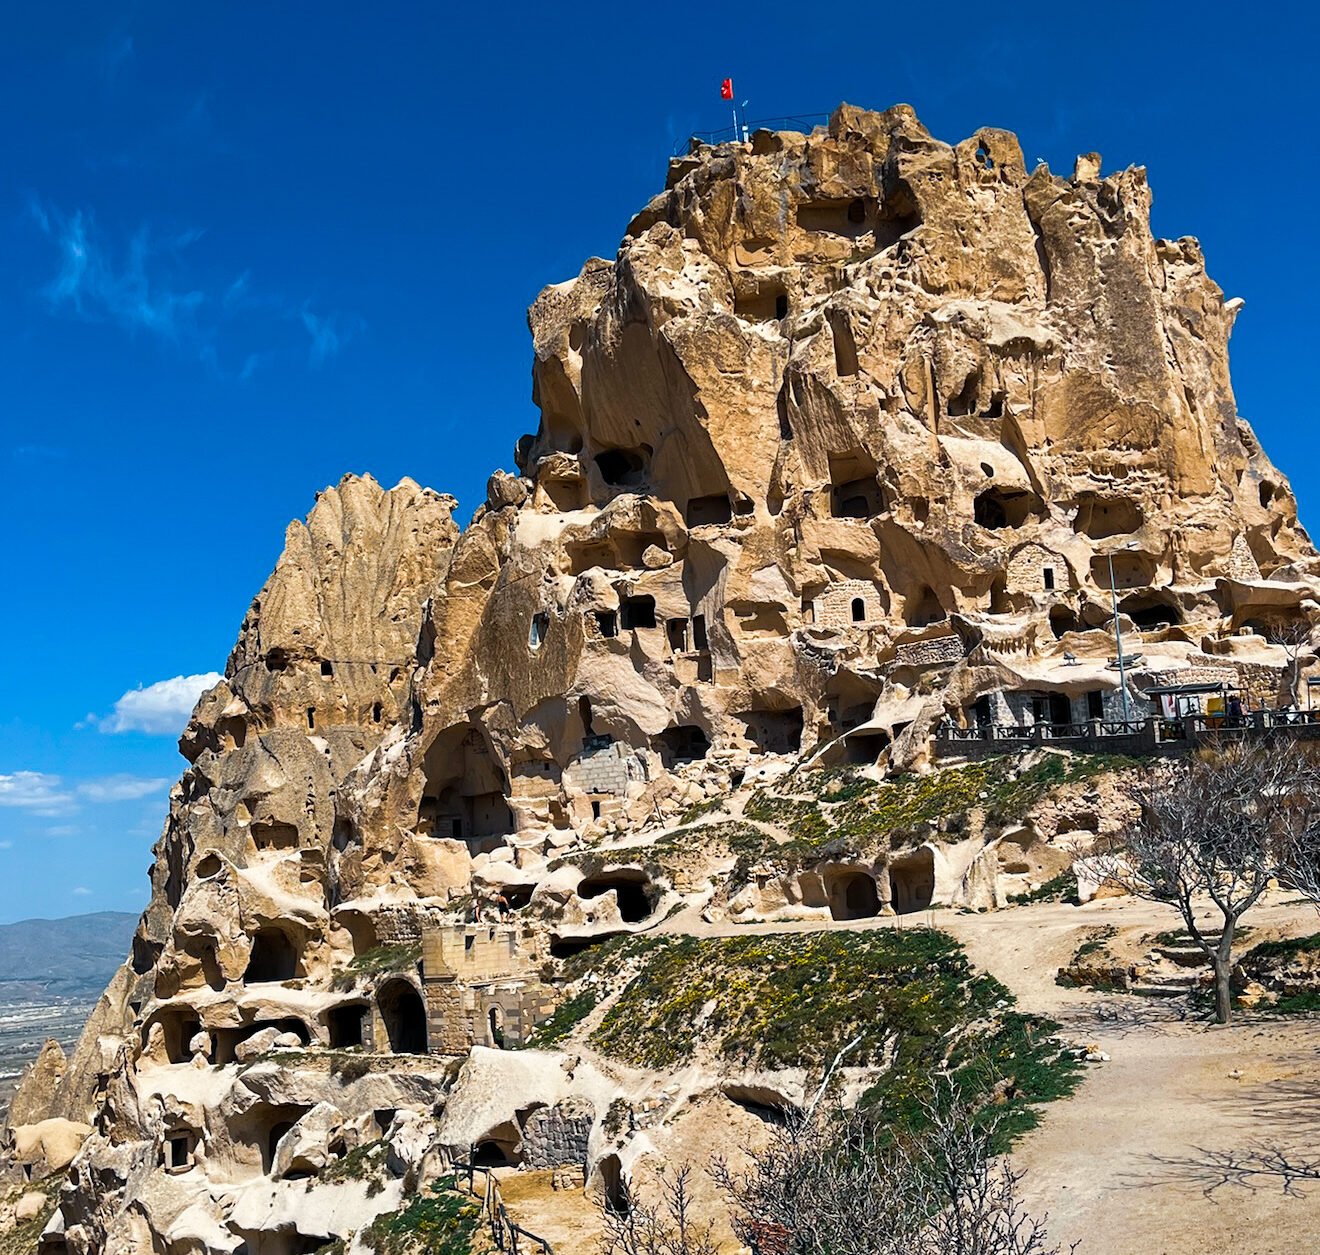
[1118, 642]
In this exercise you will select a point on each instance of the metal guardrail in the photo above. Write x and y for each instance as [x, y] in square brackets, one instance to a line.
[503, 1231]
[727, 135]
[1049, 731]
[1186, 727]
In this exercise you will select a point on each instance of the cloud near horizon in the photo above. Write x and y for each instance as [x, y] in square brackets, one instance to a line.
[43, 793]
[160, 709]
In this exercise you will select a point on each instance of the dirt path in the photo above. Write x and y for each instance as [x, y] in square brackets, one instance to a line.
[1155, 1152]
[1161, 1150]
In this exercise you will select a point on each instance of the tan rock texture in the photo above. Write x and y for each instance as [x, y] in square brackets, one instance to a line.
[843, 441]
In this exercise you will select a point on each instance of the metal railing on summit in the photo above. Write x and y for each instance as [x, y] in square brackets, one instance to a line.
[806, 122]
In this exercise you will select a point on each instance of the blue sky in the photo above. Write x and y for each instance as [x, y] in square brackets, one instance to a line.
[251, 248]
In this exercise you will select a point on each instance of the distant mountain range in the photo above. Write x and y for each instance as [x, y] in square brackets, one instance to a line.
[43, 960]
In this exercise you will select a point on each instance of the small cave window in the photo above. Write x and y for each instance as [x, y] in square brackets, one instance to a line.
[857, 212]
[277, 660]
[858, 610]
[376, 712]
[684, 744]
[584, 714]
[623, 468]
[178, 1151]
[964, 402]
[1047, 577]
[536, 633]
[1063, 620]
[209, 865]
[998, 508]
[630, 890]
[1267, 491]
[271, 834]
[713, 509]
[699, 641]
[1095, 704]
[607, 622]
[637, 612]
[767, 304]
[273, 957]
[857, 499]
[311, 718]
[1102, 517]
[345, 1026]
[924, 609]
[676, 630]
[327, 668]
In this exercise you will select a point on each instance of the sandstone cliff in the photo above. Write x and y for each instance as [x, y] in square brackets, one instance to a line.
[839, 447]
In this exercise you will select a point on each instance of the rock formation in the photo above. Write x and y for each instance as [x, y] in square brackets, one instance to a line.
[840, 448]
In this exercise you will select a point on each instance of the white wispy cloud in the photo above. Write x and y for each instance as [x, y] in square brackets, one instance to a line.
[81, 891]
[35, 791]
[51, 796]
[329, 333]
[121, 788]
[133, 291]
[162, 708]
[145, 283]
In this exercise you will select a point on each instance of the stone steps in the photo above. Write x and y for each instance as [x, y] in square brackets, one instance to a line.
[1184, 955]
[1167, 986]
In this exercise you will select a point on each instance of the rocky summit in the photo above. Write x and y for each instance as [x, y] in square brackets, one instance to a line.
[849, 465]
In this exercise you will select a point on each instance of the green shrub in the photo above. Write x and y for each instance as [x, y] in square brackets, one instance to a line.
[443, 1223]
[567, 1016]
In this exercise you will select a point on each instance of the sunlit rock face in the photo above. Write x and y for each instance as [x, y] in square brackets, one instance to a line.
[859, 433]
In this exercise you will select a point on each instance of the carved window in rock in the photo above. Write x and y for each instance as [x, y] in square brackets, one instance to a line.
[637, 612]
[624, 468]
[706, 510]
[536, 633]
[178, 1151]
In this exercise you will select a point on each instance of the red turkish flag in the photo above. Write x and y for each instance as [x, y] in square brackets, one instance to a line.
[726, 89]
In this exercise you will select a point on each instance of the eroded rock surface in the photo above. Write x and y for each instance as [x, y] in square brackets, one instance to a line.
[839, 449]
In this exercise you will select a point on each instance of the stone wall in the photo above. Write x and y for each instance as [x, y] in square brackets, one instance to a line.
[1242, 564]
[835, 606]
[930, 652]
[600, 770]
[1027, 570]
[556, 1137]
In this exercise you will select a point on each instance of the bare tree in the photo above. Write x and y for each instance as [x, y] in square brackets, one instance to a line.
[1294, 636]
[633, 1226]
[1221, 826]
[837, 1185]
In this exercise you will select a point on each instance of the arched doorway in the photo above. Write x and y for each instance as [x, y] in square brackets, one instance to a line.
[404, 1016]
[912, 879]
[614, 1186]
[852, 895]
